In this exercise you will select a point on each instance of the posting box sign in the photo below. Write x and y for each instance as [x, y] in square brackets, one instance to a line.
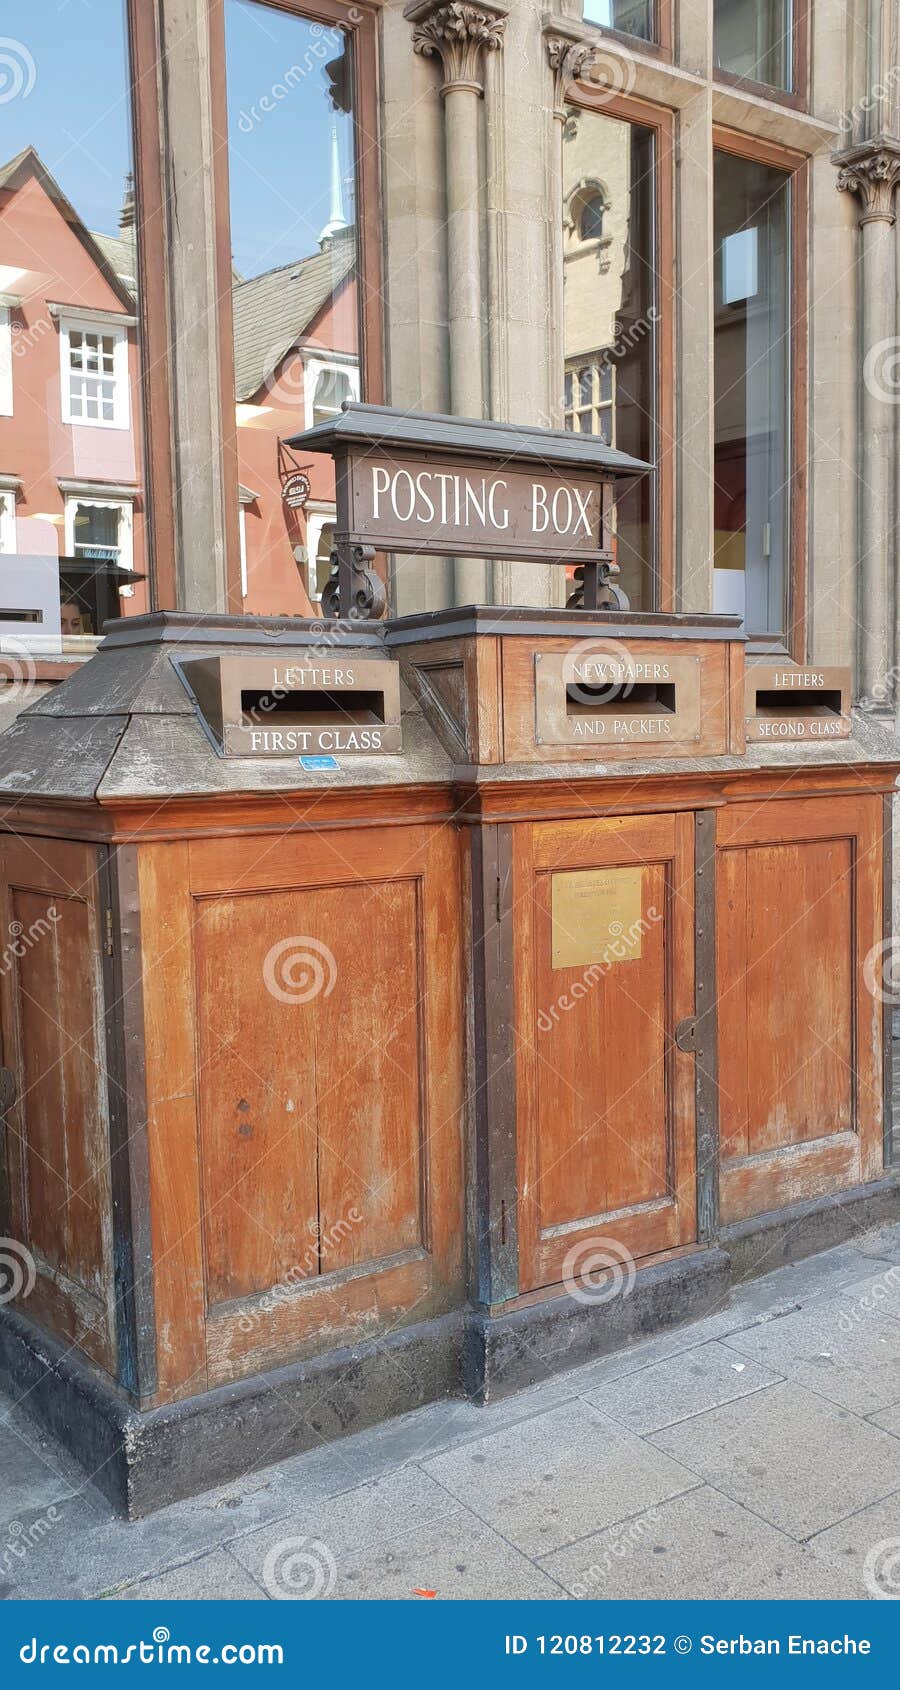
[301, 706]
[434, 506]
[592, 699]
[785, 702]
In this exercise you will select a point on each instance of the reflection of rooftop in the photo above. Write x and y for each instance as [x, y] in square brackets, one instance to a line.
[271, 311]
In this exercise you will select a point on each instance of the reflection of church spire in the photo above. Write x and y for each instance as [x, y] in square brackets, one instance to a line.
[337, 221]
[126, 215]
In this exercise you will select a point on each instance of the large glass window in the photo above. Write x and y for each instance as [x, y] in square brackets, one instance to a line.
[611, 315]
[632, 17]
[70, 362]
[293, 194]
[752, 391]
[752, 39]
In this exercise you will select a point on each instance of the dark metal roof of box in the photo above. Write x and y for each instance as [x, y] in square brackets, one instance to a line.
[383, 428]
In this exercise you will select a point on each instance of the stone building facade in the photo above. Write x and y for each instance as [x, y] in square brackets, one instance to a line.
[676, 225]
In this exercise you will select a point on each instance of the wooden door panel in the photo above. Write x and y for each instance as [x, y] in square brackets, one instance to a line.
[601, 1071]
[53, 1040]
[799, 908]
[606, 1116]
[325, 1164]
[368, 1053]
[257, 1090]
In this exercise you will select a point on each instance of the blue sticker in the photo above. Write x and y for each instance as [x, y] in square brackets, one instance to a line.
[319, 763]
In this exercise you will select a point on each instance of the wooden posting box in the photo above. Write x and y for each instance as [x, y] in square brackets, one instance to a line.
[686, 931]
[234, 1035]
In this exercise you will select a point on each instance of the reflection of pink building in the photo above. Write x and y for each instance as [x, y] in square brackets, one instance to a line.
[71, 464]
[295, 338]
[70, 414]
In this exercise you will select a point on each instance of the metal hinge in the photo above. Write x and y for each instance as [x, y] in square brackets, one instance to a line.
[109, 944]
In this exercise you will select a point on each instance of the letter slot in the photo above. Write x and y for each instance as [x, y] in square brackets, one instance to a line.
[788, 703]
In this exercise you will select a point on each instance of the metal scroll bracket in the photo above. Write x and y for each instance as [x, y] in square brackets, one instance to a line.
[353, 590]
[595, 588]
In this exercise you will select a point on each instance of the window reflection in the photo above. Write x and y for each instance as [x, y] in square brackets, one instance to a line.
[611, 314]
[632, 17]
[752, 39]
[295, 302]
[73, 535]
[752, 364]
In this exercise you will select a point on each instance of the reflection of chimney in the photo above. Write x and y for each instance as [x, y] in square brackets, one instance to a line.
[337, 221]
[126, 215]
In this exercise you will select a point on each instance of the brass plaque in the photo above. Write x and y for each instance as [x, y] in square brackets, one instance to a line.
[787, 703]
[595, 916]
[593, 697]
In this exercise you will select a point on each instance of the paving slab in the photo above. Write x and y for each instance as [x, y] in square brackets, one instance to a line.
[34, 1471]
[813, 1277]
[392, 1539]
[884, 1243]
[215, 1577]
[841, 1348]
[868, 1543]
[888, 1418]
[796, 1460]
[95, 1550]
[700, 1545]
[558, 1477]
[685, 1384]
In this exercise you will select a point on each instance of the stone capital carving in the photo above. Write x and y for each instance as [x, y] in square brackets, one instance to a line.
[871, 173]
[569, 60]
[459, 34]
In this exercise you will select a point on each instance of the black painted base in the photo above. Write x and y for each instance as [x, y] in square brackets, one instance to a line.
[142, 1461]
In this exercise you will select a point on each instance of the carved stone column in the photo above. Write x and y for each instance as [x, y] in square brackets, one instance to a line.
[461, 35]
[871, 172]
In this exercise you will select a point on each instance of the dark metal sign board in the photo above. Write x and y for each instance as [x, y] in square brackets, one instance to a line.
[440, 505]
[457, 486]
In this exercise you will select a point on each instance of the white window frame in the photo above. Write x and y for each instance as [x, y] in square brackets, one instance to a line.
[6, 363]
[318, 518]
[347, 364]
[7, 520]
[242, 533]
[121, 397]
[125, 509]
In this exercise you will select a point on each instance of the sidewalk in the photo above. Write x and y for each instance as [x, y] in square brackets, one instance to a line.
[753, 1454]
